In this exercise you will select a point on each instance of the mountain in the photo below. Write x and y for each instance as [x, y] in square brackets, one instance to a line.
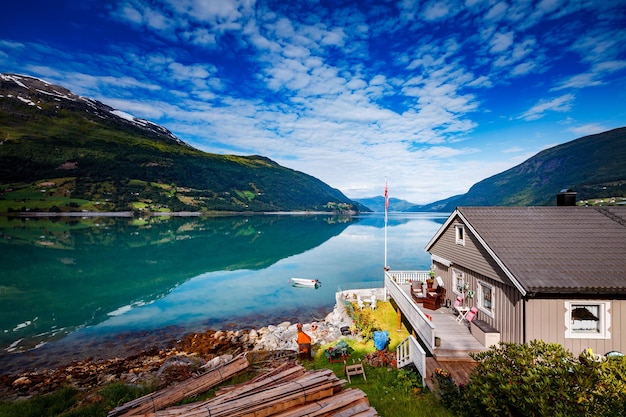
[377, 204]
[63, 152]
[593, 166]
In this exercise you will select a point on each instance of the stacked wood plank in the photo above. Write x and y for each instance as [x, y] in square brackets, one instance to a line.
[171, 395]
[288, 391]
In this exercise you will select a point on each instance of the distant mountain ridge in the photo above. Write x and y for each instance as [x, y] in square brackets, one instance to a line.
[63, 152]
[377, 204]
[593, 166]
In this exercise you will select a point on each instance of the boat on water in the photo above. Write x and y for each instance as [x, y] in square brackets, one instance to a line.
[305, 282]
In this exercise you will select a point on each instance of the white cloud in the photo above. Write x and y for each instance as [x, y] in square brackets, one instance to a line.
[501, 42]
[436, 10]
[559, 104]
[497, 12]
[588, 129]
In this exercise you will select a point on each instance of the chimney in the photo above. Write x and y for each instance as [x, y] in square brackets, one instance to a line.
[566, 197]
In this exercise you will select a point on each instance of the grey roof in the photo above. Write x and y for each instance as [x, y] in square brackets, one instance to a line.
[557, 249]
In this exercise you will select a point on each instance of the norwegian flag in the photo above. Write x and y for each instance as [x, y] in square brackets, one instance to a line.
[386, 197]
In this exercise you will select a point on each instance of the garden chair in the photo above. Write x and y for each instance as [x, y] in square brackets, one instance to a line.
[471, 315]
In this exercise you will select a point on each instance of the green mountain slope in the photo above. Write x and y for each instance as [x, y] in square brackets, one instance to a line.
[62, 152]
[593, 166]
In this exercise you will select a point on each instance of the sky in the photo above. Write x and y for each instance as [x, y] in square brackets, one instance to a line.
[430, 96]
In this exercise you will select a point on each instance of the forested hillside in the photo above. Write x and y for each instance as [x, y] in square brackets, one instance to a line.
[593, 166]
[62, 152]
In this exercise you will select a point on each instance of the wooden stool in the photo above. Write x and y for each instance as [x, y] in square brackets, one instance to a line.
[355, 370]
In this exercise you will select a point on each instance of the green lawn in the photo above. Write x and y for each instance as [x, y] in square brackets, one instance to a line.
[392, 392]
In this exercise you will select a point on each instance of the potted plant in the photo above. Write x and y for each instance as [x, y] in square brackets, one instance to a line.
[431, 279]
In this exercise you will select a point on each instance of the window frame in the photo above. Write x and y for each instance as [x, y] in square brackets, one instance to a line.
[458, 276]
[459, 234]
[604, 321]
[480, 298]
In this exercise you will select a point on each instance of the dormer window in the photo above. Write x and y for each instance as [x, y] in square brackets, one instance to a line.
[460, 234]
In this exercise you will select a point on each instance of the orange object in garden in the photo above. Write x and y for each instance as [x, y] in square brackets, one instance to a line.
[304, 343]
[302, 337]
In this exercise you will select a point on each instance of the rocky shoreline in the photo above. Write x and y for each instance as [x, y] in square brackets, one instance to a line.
[194, 353]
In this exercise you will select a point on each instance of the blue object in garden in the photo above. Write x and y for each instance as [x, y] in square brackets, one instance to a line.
[381, 339]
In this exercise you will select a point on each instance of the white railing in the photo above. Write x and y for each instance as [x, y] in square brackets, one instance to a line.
[421, 324]
[410, 351]
[405, 277]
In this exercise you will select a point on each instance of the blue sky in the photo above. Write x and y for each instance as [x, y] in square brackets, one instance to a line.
[432, 95]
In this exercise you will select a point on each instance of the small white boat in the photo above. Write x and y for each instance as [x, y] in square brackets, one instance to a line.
[305, 282]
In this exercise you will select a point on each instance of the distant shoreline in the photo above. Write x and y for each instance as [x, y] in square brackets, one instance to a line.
[130, 214]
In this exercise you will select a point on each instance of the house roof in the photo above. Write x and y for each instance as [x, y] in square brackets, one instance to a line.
[555, 249]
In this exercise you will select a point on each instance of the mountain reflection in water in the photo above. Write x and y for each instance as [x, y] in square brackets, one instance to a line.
[96, 279]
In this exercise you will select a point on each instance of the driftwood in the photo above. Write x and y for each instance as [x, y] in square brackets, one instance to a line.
[173, 394]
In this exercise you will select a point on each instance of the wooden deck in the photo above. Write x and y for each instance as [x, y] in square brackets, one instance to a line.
[456, 344]
[459, 370]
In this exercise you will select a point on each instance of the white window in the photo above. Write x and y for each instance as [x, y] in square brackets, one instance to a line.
[485, 298]
[588, 319]
[458, 283]
[460, 234]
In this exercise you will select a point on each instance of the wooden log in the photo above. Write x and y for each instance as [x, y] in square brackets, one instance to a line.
[188, 388]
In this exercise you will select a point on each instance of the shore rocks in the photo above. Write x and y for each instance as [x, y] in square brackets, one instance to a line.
[195, 353]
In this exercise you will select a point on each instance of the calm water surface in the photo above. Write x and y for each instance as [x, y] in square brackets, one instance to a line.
[98, 286]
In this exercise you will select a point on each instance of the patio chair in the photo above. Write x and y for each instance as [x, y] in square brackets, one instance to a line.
[359, 302]
[416, 289]
[434, 301]
[471, 315]
[373, 305]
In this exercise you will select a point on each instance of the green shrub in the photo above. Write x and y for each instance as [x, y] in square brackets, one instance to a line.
[543, 379]
[46, 405]
[365, 321]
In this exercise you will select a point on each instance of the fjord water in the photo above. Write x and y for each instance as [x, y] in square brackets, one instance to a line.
[79, 282]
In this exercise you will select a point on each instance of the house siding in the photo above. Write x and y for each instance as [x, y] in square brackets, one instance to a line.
[533, 306]
[474, 257]
[508, 311]
[545, 320]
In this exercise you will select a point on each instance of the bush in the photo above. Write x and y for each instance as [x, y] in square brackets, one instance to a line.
[544, 379]
[365, 321]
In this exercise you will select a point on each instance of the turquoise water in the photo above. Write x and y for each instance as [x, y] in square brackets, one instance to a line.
[70, 282]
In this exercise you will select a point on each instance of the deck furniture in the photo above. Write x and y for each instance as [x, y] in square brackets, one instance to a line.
[418, 289]
[485, 333]
[460, 309]
[471, 315]
[433, 301]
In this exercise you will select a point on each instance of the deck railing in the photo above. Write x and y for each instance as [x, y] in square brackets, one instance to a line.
[420, 323]
[405, 277]
[410, 351]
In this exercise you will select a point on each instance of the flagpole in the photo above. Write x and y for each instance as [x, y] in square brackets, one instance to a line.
[386, 208]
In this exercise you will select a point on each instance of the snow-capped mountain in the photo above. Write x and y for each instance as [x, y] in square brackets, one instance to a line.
[37, 93]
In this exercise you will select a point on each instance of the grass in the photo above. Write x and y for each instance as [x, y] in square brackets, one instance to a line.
[392, 392]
